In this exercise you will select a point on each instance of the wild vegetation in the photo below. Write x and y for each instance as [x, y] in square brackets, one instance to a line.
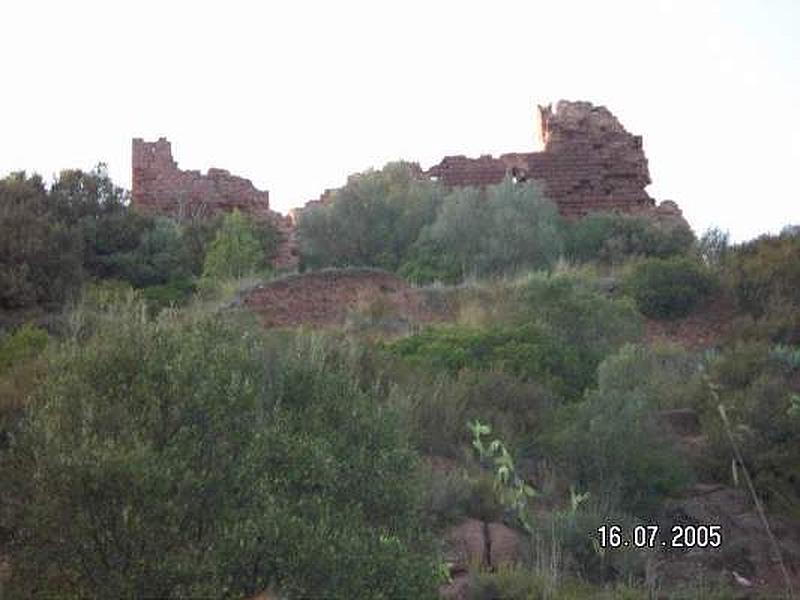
[156, 441]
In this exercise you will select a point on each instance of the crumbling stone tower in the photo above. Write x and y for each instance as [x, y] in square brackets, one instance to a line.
[589, 163]
[160, 187]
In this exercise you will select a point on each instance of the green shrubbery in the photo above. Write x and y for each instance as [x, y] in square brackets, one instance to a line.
[23, 344]
[529, 352]
[612, 444]
[235, 251]
[53, 241]
[766, 270]
[757, 386]
[669, 288]
[507, 228]
[765, 278]
[373, 220]
[612, 238]
[183, 458]
[40, 258]
[554, 331]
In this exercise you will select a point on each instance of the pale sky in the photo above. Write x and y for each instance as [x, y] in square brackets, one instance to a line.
[297, 95]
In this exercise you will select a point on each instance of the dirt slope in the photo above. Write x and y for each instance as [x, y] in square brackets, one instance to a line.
[327, 297]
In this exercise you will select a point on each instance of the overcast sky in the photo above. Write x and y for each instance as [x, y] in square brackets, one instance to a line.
[296, 95]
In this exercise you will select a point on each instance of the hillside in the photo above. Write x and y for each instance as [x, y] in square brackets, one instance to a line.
[503, 377]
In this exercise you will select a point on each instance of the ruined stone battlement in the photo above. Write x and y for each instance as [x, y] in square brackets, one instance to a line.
[589, 162]
[159, 186]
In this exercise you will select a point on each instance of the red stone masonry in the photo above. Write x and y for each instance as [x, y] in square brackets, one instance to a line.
[589, 163]
[160, 187]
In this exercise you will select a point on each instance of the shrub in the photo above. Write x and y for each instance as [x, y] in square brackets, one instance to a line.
[669, 288]
[757, 386]
[611, 445]
[584, 320]
[19, 372]
[181, 458]
[765, 277]
[235, 251]
[372, 221]
[21, 345]
[612, 237]
[40, 257]
[669, 376]
[528, 351]
[714, 247]
[507, 228]
[174, 293]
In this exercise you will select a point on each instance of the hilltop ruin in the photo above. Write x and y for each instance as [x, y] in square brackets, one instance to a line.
[589, 163]
[160, 187]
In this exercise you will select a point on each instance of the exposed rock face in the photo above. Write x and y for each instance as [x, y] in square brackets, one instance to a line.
[160, 187]
[474, 544]
[589, 163]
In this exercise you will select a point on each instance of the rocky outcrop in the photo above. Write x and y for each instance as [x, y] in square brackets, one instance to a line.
[477, 545]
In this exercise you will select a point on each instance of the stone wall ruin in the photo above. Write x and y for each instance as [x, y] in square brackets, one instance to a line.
[160, 187]
[589, 163]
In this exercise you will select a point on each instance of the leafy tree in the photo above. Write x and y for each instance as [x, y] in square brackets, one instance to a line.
[613, 446]
[372, 221]
[611, 238]
[506, 228]
[183, 459]
[78, 195]
[714, 246]
[235, 251]
[40, 258]
[582, 318]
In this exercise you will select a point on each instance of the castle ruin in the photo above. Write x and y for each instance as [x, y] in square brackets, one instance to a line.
[589, 163]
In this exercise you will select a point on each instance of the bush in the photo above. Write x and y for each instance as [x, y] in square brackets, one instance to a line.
[174, 293]
[507, 228]
[236, 250]
[612, 445]
[765, 276]
[612, 237]
[714, 247]
[529, 352]
[372, 221]
[669, 288]
[40, 257]
[584, 320]
[757, 385]
[184, 459]
[21, 345]
[669, 376]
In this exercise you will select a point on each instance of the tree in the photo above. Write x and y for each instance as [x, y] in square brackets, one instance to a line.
[178, 458]
[372, 221]
[506, 228]
[235, 251]
[40, 257]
